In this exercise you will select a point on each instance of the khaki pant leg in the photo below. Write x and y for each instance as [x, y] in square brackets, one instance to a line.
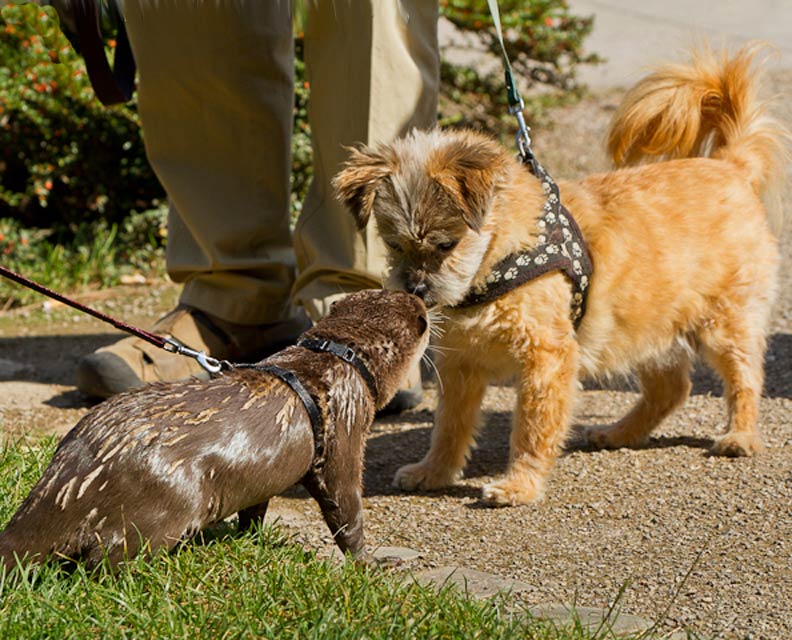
[374, 73]
[216, 98]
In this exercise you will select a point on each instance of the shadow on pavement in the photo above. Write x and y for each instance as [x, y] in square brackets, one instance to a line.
[778, 374]
[49, 359]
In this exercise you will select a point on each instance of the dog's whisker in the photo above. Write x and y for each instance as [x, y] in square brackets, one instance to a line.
[436, 348]
[431, 364]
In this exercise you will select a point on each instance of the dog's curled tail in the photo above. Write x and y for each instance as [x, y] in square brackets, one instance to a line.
[708, 107]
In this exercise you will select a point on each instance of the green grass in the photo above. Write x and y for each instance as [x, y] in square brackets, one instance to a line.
[231, 585]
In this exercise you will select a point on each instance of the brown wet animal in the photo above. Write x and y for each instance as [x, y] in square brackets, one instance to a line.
[149, 468]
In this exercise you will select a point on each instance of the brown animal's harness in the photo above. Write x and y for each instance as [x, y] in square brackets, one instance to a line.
[341, 351]
[560, 247]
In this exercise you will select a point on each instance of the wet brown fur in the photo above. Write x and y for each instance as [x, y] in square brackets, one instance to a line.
[685, 264]
[149, 468]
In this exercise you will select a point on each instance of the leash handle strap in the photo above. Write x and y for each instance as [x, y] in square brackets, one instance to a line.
[169, 344]
[111, 86]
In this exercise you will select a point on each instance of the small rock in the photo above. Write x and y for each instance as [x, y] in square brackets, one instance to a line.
[132, 278]
[400, 554]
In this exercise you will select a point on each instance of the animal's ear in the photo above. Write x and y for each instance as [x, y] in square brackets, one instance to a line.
[468, 169]
[356, 184]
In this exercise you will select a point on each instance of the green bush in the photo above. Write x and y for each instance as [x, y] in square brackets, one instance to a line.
[64, 158]
[543, 39]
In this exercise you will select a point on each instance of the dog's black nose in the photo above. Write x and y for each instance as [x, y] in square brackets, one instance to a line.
[420, 290]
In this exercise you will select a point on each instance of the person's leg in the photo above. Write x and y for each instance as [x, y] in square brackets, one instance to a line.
[215, 96]
[374, 70]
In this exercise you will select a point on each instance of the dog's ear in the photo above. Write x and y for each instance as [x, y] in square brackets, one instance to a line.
[356, 184]
[468, 168]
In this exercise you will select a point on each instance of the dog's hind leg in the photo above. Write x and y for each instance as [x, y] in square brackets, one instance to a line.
[735, 348]
[664, 387]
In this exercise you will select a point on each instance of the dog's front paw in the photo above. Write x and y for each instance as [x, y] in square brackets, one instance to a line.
[613, 437]
[421, 475]
[736, 445]
[510, 492]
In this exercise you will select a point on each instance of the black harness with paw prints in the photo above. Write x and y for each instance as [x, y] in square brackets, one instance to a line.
[560, 247]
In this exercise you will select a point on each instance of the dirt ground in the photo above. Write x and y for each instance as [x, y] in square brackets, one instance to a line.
[696, 541]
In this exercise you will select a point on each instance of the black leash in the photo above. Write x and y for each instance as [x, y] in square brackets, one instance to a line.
[112, 86]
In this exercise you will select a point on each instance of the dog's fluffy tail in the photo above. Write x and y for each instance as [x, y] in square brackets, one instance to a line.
[708, 107]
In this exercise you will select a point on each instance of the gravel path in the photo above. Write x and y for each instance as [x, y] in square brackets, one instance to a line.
[694, 541]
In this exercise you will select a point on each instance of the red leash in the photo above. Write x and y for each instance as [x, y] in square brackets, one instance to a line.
[212, 365]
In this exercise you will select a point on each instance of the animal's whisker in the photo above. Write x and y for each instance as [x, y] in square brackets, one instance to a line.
[436, 348]
[431, 364]
[436, 318]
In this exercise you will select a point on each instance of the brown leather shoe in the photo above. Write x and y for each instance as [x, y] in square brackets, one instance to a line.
[132, 362]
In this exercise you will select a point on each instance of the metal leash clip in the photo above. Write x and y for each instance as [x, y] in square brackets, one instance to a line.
[523, 137]
[210, 364]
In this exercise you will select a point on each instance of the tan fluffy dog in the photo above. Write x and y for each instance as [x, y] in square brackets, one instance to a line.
[684, 260]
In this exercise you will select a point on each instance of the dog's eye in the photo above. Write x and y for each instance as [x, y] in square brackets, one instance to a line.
[447, 246]
[393, 246]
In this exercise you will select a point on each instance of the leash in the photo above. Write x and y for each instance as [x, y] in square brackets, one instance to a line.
[81, 22]
[516, 104]
[212, 365]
